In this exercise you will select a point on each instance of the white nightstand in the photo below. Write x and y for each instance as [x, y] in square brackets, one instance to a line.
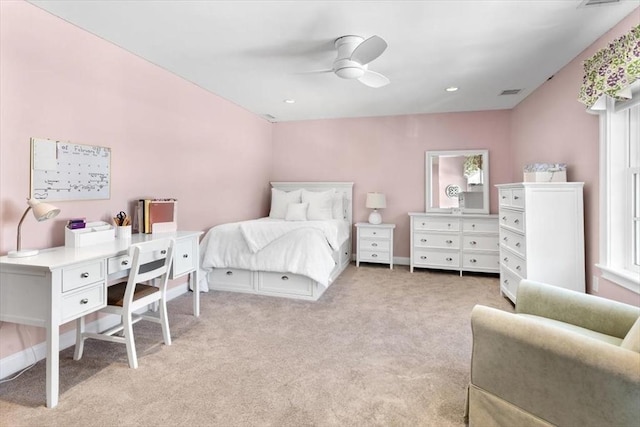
[375, 243]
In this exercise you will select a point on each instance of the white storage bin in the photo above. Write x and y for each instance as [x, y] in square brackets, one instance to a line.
[92, 234]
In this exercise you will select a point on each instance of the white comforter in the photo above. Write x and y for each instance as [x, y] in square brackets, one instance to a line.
[299, 247]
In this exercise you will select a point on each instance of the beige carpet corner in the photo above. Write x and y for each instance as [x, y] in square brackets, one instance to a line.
[381, 347]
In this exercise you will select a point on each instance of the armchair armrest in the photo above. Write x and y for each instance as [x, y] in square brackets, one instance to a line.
[557, 375]
[588, 311]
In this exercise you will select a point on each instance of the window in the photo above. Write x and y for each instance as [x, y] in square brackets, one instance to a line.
[620, 192]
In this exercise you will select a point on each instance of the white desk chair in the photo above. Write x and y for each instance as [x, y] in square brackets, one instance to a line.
[150, 261]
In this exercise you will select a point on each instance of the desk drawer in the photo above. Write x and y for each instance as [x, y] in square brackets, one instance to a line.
[83, 301]
[81, 275]
[118, 264]
[184, 259]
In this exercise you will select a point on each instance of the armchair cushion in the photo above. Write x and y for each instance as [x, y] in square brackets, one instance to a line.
[632, 340]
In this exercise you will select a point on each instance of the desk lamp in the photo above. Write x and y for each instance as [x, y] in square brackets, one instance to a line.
[376, 201]
[42, 212]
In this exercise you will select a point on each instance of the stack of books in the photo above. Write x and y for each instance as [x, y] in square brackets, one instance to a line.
[157, 215]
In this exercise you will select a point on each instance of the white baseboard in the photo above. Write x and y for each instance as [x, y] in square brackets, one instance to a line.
[397, 260]
[18, 361]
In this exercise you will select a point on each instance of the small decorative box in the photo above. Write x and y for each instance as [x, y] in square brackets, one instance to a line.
[545, 172]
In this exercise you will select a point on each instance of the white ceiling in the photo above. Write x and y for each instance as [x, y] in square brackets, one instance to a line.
[258, 53]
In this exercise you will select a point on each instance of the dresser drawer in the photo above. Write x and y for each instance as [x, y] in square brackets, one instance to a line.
[184, 259]
[231, 278]
[509, 284]
[373, 256]
[480, 225]
[286, 283]
[512, 219]
[436, 224]
[481, 261]
[517, 197]
[482, 243]
[77, 303]
[514, 263]
[78, 276]
[513, 241]
[439, 258]
[436, 240]
[383, 233]
[375, 244]
[504, 197]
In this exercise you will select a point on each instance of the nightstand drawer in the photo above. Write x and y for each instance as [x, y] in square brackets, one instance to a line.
[383, 233]
[374, 256]
[77, 276]
[87, 300]
[375, 244]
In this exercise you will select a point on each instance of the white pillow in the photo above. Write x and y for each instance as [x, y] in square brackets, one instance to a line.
[296, 212]
[338, 205]
[280, 200]
[320, 204]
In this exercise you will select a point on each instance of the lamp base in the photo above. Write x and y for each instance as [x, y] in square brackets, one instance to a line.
[375, 217]
[23, 253]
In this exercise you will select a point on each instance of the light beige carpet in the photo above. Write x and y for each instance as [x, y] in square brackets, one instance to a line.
[381, 347]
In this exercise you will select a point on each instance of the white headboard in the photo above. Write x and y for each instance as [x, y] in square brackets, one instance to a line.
[346, 188]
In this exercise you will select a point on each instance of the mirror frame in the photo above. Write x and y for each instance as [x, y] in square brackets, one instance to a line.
[430, 155]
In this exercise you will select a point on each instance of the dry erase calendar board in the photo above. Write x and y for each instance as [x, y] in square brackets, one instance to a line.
[65, 171]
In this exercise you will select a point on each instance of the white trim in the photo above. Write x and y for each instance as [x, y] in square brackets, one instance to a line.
[620, 277]
[13, 363]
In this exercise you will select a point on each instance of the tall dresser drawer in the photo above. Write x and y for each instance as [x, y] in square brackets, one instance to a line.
[509, 284]
[512, 219]
[436, 224]
[436, 240]
[514, 263]
[513, 241]
[440, 258]
[78, 276]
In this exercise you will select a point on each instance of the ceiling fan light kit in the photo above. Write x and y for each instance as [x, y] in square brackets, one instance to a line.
[354, 53]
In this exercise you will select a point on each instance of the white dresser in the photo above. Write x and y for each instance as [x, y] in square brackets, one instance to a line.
[374, 243]
[461, 242]
[541, 235]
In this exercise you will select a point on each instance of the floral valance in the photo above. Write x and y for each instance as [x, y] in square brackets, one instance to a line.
[612, 68]
[472, 165]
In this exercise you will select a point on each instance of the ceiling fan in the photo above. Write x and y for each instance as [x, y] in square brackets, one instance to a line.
[354, 55]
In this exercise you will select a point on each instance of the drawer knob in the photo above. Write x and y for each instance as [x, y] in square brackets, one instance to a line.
[517, 221]
[163, 252]
[449, 259]
[84, 301]
[473, 226]
[504, 197]
[518, 268]
[229, 273]
[423, 257]
[84, 275]
[423, 240]
[515, 197]
[473, 260]
[449, 225]
[374, 255]
[375, 232]
[449, 242]
[125, 262]
[505, 238]
[506, 259]
[473, 242]
[185, 255]
[423, 223]
[374, 244]
[285, 277]
[504, 218]
[505, 281]
[518, 245]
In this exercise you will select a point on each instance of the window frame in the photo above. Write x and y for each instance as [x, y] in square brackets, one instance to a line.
[617, 123]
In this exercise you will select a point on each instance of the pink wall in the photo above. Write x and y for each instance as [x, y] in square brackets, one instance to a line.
[168, 137]
[387, 154]
[550, 125]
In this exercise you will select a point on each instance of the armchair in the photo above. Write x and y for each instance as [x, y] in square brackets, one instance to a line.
[564, 358]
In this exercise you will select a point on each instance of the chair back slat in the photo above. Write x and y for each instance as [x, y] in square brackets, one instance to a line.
[150, 260]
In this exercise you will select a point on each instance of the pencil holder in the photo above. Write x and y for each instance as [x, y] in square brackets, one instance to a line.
[123, 231]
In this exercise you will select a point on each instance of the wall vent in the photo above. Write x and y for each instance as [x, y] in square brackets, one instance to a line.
[510, 92]
[589, 3]
[269, 117]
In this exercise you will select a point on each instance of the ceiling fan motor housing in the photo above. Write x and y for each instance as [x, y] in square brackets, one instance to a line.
[343, 66]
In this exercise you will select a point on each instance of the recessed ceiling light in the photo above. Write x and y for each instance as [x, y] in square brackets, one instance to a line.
[451, 89]
[289, 101]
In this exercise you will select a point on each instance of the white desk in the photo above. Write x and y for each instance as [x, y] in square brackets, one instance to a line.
[61, 284]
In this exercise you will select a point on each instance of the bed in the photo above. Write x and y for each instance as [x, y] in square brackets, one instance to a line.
[297, 252]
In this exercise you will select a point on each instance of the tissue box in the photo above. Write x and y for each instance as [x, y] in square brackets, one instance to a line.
[545, 172]
[92, 234]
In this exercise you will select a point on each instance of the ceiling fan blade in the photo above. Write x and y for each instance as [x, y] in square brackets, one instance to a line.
[373, 79]
[329, 70]
[369, 50]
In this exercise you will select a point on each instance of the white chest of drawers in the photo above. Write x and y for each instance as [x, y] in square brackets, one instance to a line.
[541, 235]
[374, 243]
[463, 242]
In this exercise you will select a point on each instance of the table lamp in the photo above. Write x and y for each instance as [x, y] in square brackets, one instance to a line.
[42, 212]
[376, 201]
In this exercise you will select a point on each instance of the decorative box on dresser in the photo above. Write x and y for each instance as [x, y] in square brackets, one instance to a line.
[461, 242]
[374, 243]
[541, 235]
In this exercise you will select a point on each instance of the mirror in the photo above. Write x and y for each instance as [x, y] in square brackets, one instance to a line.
[457, 180]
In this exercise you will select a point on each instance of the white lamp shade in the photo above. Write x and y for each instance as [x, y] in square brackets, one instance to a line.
[376, 201]
[43, 211]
